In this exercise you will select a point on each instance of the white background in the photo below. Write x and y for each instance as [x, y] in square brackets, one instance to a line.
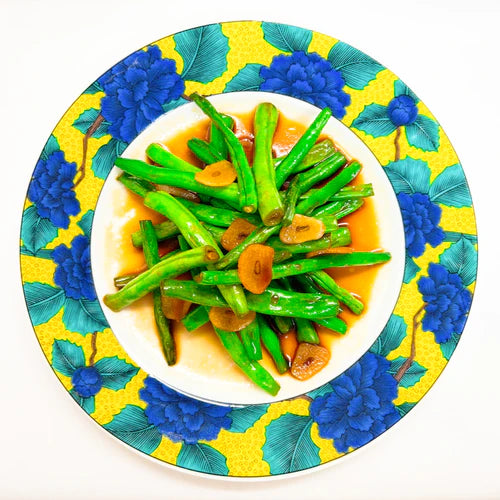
[448, 53]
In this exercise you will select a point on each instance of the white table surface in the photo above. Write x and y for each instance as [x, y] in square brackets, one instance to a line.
[448, 53]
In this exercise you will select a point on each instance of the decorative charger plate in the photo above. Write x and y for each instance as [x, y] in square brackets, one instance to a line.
[353, 408]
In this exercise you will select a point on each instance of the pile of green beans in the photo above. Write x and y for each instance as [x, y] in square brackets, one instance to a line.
[313, 179]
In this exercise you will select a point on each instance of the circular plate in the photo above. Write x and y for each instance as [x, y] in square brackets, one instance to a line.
[353, 408]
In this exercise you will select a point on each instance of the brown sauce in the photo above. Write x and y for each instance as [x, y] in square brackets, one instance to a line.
[362, 224]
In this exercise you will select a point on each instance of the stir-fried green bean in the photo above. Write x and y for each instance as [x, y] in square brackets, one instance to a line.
[270, 204]
[338, 209]
[246, 181]
[272, 344]
[253, 370]
[162, 156]
[152, 257]
[151, 279]
[250, 336]
[196, 235]
[291, 197]
[302, 147]
[322, 195]
[136, 185]
[204, 151]
[177, 178]
[300, 266]
[321, 171]
[195, 318]
[217, 142]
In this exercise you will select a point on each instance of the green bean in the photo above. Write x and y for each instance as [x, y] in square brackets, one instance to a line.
[269, 201]
[334, 323]
[215, 202]
[204, 151]
[325, 281]
[217, 142]
[319, 152]
[354, 192]
[259, 235]
[217, 216]
[253, 370]
[136, 185]
[151, 279]
[167, 229]
[189, 290]
[152, 257]
[122, 280]
[246, 181]
[330, 222]
[196, 235]
[276, 302]
[195, 318]
[250, 336]
[176, 178]
[305, 330]
[302, 147]
[162, 156]
[281, 256]
[272, 301]
[308, 246]
[346, 193]
[321, 171]
[283, 323]
[338, 209]
[291, 197]
[299, 266]
[323, 194]
[272, 344]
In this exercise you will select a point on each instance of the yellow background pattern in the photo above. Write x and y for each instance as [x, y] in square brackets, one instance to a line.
[244, 451]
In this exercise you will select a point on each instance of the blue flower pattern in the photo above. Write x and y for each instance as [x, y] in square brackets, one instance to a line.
[51, 189]
[421, 220]
[180, 417]
[360, 406]
[136, 89]
[309, 77]
[402, 110]
[73, 272]
[447, 302]
[87, 381]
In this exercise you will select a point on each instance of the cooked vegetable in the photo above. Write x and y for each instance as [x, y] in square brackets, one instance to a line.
[225, 319]
[309, 359]
[250, 337]
[255, 267]
[217, 174]
[176, 178]
[272, 344]
[302, 147]
[270, 204]
[299, 266]
[320, 172]
[152, 258]
[217, 142]
[252, 369]
[236, 233]
[151, 279]
[246, 181]
[338, 209]
[162, 156]
[302, 229]
[204, 151]
[195, 318]
[304, 328]
[259, 235]
[327, 283]
[291, 197]
[136, 185]
[196, 235]
[323, 194]
[263, 226]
